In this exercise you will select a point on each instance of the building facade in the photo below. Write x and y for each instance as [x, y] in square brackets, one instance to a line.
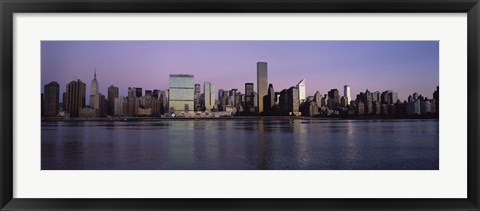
[301, 90]
[51, 99]
[181, 93]
[112, 94]
[262, 84]
[208, 96]
[346, 93]
[75, 97]
[249, 98]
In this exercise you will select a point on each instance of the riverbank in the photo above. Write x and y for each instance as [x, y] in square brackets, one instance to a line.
[47, 119]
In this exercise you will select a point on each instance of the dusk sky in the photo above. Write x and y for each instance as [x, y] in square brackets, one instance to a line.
[402, 66]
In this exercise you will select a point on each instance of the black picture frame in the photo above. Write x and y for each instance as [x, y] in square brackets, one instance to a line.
[9, 7]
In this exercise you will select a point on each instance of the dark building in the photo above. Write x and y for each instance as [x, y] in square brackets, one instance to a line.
[368, 101]
[51, 97]
[309, 108]
[131, 106]
[64, 98]
[384, 109]
[318, 98]
[156, 107]
[401, 108]
[392, 97]
[103, 105]
[43, 106]
[289, 101]
[148, 93]
[333, 98]
[269, 101]
[384, 97]
[155, 93]
[75, 95]
[360, 108]
[137, 92]
[436, 97]
[112, 94]
[233, 97]
[223, 98]
[197, 89]
[249, 97]
[377, 109]
[196, 99]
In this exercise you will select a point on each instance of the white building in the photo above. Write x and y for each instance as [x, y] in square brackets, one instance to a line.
[301, 90]
[346, 93]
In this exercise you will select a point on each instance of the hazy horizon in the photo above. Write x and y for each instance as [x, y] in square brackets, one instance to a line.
[402, 66]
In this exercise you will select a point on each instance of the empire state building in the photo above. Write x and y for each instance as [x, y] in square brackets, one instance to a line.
[94, 93]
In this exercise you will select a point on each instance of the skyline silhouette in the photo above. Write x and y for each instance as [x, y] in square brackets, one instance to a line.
[403, 66]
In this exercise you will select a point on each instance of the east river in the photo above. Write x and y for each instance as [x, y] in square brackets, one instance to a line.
[241, 144]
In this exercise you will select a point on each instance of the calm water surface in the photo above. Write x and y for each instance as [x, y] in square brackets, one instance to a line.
[241, 144]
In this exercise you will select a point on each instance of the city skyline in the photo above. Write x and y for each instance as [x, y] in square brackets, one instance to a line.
[421, 58]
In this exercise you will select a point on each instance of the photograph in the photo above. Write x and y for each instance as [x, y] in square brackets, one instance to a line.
[239, 105]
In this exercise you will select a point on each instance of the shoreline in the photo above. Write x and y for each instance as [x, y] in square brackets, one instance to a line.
[126, 119]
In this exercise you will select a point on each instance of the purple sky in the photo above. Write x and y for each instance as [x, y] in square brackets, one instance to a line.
[401, 66]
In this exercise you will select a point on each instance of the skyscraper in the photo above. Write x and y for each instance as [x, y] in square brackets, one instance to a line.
[318, 98]
[197, 88]
[301, 90]
[51, 97]
[181, 94]
[209, 96]
[97, 100]
[155, 93]
[294, 103]
[75, 97]
[137, 92]
[269, 99]
[233, 97]
[249, 94]
[148, 93]
[43, 106]
[94, 90]
[346, 93]
[289, 102]
[130, 92]
[436, 97]
[333, 97]
[196, 99]
[112, 94]
[262, 84]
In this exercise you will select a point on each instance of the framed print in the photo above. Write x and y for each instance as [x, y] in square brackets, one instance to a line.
[239, 105]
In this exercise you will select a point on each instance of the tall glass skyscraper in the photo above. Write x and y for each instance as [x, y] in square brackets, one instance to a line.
[209, 95]
[262, 84]
[346, 93]
[181, 94]
[301, 90]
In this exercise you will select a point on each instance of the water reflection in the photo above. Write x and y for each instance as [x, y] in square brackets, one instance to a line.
[241, 144]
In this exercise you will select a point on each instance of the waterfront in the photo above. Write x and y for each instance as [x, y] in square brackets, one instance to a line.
[250, 144]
